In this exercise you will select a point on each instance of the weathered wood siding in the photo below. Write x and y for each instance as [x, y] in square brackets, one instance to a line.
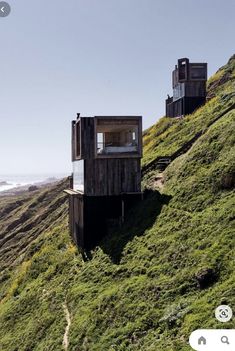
[195, 89]
[73, 143]
[112, 176]
[76, 218]
[87, 138]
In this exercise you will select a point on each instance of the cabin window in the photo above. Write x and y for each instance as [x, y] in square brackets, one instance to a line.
[198, 72]
[182, 70]
[78, 175]
[100, 140]
[178, 91]
[78, 139]
[117, 138]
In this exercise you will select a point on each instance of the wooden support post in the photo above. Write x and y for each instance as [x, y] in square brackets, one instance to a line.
[123, 211]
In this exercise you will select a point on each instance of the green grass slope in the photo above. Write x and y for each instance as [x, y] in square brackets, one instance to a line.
[147, 285]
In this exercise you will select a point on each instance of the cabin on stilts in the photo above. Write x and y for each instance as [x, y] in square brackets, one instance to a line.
[106, 180]
[189, 88]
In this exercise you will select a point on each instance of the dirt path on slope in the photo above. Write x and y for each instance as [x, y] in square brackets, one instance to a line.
[159, 181]
[66, 333]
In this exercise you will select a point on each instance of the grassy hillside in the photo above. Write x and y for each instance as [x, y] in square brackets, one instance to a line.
[148, 285]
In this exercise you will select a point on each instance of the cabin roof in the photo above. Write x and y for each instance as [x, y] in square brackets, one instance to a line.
[111, 117]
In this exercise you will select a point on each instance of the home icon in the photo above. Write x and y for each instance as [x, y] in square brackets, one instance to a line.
[202, 341]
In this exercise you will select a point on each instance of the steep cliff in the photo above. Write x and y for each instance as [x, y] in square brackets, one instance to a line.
[149, 284]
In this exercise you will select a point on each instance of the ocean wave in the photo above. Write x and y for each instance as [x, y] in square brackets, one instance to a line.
[9, 182]
[4, 183]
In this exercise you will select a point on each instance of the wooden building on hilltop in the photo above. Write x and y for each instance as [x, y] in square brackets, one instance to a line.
[106, 181]
[189, 88]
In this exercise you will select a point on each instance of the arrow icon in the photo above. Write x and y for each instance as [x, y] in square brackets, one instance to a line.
[5, 9]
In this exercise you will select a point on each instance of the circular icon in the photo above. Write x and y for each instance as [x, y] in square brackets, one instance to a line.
[5, 9]
[225, 340]
[223, 313]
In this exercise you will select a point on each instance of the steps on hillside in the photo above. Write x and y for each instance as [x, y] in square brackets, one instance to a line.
[162, 162]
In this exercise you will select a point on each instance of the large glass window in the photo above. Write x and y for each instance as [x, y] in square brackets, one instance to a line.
[78, 175]
[117, 138]
[178, 91]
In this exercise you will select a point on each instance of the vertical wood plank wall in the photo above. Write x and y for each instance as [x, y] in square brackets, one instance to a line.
[112, 176]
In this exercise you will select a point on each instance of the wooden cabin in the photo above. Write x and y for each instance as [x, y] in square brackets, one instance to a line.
[189, 88]
[106, 181]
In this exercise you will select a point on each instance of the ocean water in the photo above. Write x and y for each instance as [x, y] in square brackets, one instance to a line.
[13, 181]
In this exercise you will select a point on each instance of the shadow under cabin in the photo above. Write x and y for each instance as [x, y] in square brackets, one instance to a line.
[106, 179]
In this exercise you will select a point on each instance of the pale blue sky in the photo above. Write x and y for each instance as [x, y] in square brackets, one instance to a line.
[103, 57]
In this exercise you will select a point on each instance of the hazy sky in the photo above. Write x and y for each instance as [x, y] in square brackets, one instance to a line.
[95, 57]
